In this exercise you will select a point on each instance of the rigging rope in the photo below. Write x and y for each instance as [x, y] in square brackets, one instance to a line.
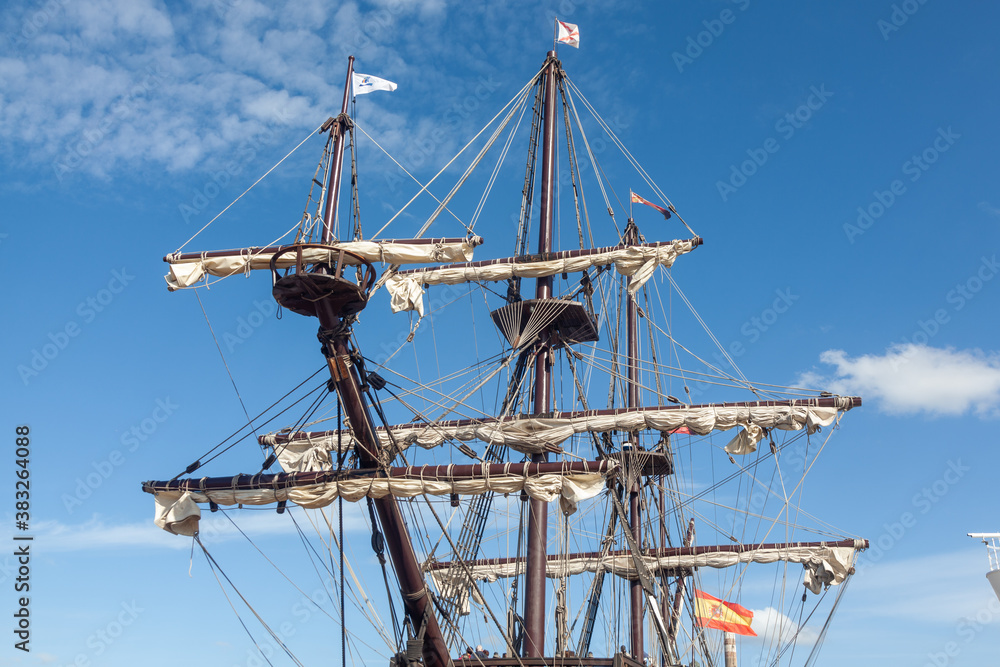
[309, 136]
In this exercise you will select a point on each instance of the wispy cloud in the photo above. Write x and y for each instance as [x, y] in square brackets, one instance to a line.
[112, 85]
[97, 533]
[911, 379]
[989, 208]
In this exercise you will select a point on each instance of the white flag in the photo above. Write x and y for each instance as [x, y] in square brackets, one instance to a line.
[568, 34]
[366, 83]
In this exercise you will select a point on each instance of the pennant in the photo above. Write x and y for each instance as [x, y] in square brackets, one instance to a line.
[636, 199]
[681, 430]
[728, 616]
[568, 34]
[366, 83]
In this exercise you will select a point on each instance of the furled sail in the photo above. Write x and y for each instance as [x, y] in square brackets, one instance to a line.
[826, 564]
[187, 269]
[303, 451]
[638, 262]
[177, 510]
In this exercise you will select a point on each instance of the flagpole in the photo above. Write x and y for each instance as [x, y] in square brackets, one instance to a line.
[555, 34]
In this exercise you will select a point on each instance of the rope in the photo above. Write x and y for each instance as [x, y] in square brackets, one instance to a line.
[213, 565]
[443, 169]
[224, 363]
[309, 136]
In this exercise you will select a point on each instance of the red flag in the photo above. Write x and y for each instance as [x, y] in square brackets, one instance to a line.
[682, 430]
[728, 616]
[636, 199]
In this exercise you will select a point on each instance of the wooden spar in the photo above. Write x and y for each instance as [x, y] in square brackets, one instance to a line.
[535, 585]
[539, 257]
[284, 480]
[270, 250]
[662, 552]
[340, 126]
[825, 402]
[632, 402]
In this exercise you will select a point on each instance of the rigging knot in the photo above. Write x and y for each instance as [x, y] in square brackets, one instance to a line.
[413, 597]
[328, 336]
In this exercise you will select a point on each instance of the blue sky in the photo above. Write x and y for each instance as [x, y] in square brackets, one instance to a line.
[839, 160]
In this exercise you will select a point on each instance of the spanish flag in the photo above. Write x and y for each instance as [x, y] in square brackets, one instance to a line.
[729, 616]
[636, 199]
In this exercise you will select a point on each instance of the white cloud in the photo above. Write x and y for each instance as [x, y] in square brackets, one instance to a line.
[910, 379]
[113, 86]
[989, 208]
[773, 627]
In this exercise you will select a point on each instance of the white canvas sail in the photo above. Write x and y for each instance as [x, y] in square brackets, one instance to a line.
[638, 262]
[310, 451]
[186, 271]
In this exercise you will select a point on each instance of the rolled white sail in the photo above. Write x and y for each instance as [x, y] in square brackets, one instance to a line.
[311, 451]
[186, 270]
[177, 510]
[638, 262]
[824, 565]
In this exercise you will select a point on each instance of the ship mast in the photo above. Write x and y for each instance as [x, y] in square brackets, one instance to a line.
[338, 131]
[534, 614]
[632, 401]
[334, 334]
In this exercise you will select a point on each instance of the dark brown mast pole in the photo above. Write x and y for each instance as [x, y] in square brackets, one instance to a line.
[534, 613]
[632, 401]
[664, 603]
[340, 127]
[675, 618]
[335, 331]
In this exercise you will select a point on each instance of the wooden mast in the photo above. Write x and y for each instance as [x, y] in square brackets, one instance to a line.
[632, 401]
[334, 334]
[338, 131]
[534, 613]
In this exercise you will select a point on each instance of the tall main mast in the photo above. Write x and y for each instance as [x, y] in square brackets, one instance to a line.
[534, 614]
[632, 401]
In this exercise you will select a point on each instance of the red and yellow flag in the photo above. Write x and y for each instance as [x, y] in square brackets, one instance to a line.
[636, 199]
[729, 616]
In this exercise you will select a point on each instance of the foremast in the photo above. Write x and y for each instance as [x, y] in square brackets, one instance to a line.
[335, 320]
